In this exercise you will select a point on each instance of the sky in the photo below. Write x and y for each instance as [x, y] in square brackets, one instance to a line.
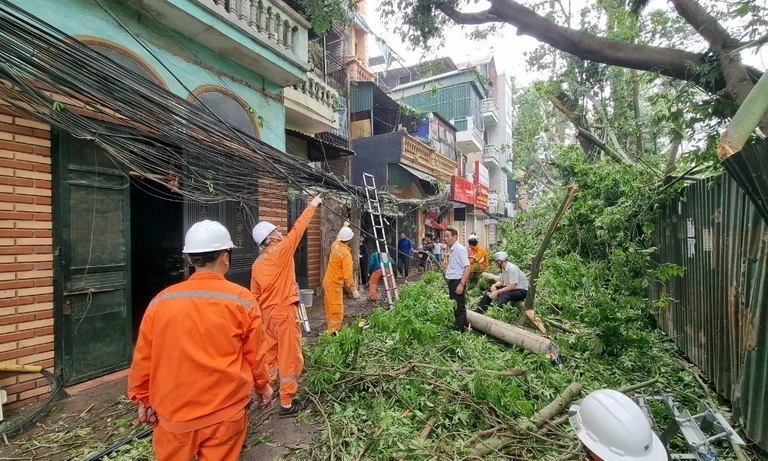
[508, 48]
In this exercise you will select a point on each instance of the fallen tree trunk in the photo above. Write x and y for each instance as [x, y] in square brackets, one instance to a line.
[513, 335]
[557, 405]
[492, 444]
[540, 255]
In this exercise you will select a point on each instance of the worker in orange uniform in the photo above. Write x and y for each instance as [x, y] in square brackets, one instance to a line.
[197, 357]
[337, 274]
[273, 283]
[478, 259]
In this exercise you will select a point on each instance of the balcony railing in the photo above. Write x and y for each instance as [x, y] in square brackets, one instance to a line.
[272, 20]
[490, 112]
[311, 106]
[319, 91]
[491, 155]
[265, 36]
[426, 159]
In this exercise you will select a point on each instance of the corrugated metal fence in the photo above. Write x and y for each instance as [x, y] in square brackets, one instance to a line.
[719, 318]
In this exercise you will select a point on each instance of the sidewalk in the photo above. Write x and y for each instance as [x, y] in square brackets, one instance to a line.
[98, 414]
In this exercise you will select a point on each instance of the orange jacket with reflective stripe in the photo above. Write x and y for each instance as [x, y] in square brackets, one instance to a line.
[197, 357]
[481, 257]
[339, 270]
[273, 278]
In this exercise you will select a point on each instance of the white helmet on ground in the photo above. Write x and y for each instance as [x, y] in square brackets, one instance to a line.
[261, 231]
[472, 237]
[614, 428]
[501, 256]
[346, 234]
[207, 236]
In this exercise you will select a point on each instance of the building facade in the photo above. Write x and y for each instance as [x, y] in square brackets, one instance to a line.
[87, 240]
[478, 103]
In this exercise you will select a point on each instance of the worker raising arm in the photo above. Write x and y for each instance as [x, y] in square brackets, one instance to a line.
[337, 274]
[273, 283]
[197, 356]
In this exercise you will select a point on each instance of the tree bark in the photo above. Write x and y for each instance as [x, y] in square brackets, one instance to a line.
[513, 335]
[571, 109]
[672, 157]
[665, 61]
[750, 113]
[540, 254]
[636, 103]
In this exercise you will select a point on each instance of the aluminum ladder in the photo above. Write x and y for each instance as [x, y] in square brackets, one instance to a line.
[377, 222]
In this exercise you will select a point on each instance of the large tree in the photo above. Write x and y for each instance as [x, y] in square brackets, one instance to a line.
[716, 68]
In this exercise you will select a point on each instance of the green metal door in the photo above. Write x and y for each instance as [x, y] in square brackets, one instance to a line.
[93, 283]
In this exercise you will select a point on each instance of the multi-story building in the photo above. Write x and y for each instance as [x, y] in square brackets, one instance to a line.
[477, 102]
[87, 239]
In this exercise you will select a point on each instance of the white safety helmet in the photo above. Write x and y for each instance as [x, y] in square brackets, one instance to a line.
[614, 428]
[261, 231]
[501, 256]
[346, 234]
[207, 236]
[472, 237]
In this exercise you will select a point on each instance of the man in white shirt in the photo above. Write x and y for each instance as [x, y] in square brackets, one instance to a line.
[511, 287]
[456, 274]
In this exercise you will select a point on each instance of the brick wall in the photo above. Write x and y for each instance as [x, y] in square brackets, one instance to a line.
[314, 251]
[273, 203]
[26, 256]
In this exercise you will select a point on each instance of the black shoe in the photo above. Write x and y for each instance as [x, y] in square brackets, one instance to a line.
[296, 406]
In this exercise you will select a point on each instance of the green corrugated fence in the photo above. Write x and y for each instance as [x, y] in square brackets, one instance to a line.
[719, 317]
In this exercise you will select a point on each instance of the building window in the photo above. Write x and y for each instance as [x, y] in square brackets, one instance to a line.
[404, 79]
[228, 109]
[461, 124]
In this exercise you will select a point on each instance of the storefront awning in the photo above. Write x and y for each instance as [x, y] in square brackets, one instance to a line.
[319, 150]
[435, 225]
[420, 174]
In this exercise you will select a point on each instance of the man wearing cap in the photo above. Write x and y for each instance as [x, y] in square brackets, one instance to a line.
[478, 258]
[337, 274]
[273, 283]
[197, 357]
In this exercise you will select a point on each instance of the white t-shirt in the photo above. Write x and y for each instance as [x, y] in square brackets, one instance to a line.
[438, 247]
[512, 274]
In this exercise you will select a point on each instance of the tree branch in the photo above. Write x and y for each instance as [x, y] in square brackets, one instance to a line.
[666, 61]
[758, 42]
[603, 146]
[481, 17]
[705, 24]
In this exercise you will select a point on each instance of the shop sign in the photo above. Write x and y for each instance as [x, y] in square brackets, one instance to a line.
[462, 191]
[482, 184]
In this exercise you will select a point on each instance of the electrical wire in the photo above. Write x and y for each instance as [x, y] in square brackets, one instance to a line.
[142, 125]
[15, 427]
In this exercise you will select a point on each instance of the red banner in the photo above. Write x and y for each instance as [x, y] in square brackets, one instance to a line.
[433, 212]
[481, 197]
[462, 191]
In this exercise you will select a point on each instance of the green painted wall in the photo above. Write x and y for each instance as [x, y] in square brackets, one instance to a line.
[177, 52]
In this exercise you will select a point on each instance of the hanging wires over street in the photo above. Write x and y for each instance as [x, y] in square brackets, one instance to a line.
[49, 76]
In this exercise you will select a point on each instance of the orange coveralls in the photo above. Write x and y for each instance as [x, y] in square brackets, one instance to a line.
[338, 272]
[196, 361]
[273, 283]
[480, 263]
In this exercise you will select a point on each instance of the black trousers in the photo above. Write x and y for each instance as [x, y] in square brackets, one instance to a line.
[503, 298]
[363, 271]
[460, 311]
[403, 264]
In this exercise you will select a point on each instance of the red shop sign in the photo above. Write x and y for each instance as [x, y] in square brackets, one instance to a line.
[462, 191]
[481, 197]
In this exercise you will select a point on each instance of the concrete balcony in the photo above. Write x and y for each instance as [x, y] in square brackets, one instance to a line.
[505, 158]
[311, 106]
[358, 70]
[265, 36]
[426, 159]
[491, 156]
[490, 112]
[470, 139]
